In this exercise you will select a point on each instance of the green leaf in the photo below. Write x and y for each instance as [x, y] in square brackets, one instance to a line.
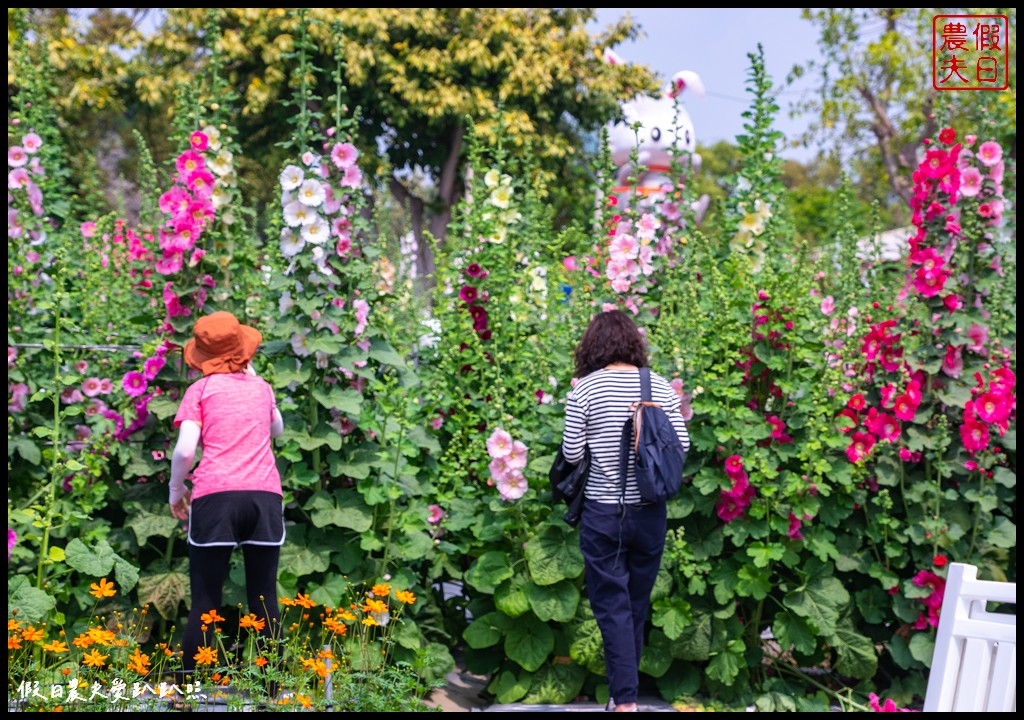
[681, 680]
[587, 646]
[1003, 534]
[344, 400]
[763, 554]
[485, 631]
[819, 601]
[553, 602]
[656, 657]
[725, 666]
[694, 641]
[857, 657]
[24, 447]
[1003, 476]
[672, 614]
[146, 525]
[922, 647]
[792, 632]
[163, 407]
[556, 684]
[508, 688]
[56, 553]
[339, 509]
[165, 592]
[32, 604]
[754, 582]
[382, 352]
[126, 574]
[286, 373]
[510, 596]
[528, 641]
[774, 702]
[96, 562]
[489, 570]
[553, 556]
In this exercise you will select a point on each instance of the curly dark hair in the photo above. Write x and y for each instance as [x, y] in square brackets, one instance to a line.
[611, 337]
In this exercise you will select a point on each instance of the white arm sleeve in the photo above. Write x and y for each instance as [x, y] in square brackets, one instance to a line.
[182, 458]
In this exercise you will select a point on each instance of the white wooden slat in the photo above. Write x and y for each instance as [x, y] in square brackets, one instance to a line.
[972, 684]
[1002, 694]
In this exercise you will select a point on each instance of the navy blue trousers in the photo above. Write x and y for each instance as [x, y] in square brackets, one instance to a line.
[622, 546]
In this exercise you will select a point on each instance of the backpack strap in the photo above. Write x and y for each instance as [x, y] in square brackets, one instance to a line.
[645, 384]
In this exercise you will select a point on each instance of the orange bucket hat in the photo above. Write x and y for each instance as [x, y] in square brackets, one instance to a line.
[221, 344]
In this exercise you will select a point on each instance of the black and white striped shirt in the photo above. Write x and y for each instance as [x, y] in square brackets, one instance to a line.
[596, 410]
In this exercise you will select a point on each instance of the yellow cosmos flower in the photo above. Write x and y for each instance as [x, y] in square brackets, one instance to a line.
[375, 606]
[381, 590]
[368, 620]
[93, 658]
[405, 596]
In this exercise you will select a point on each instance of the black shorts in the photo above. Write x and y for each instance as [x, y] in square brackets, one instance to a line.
[236, 517]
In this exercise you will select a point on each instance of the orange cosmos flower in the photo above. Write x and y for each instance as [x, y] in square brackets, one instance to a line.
[101, 636]
[304, 700]
[405, 596]
[286, 601]
[83, 641]
[139, 662]
[205, 656]
[94, 659]
[252, 621]
[377, 606]
[381, 590]
[260, 661]
[368, 620]
[104, 589]
[31, 634]
[211, 617]
[55, 647]
[335, 627]
[325, 654]
[304, 601]
[13, 642]
[13, 624]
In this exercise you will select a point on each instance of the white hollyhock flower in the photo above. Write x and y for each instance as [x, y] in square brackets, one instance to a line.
[291, 177]
[296, 214]
[291, 242]
[311, 193]
[219, 197]
[491, 178]
[213, 136]
[501, 196]
[316, 231]
[222, 162]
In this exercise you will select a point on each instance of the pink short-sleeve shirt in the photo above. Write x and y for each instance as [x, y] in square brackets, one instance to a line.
[235, 411]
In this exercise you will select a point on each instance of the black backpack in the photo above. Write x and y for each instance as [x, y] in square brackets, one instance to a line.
[660, 456]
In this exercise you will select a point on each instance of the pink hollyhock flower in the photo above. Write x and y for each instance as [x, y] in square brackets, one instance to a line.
[106, 386]
[929, 283]
[436, 422]
[905, 407]
[70, 396]
[134, 383]
[80, 367]
[353, 176]
[88, 229]
[856, 402]
[888, 706]
[31, 142]
[511, 486]
[793, 533]
[16, 156]
[970, 182]
[12, 540]
[18, 178]
[199, 141]
[91, 387]
[516, 458]
[344, 155]
[978, 336]
[499, 444]
[990, 153]
[569, 263]
[189, 162]
[861, 444]
[362, 311]
[953, 362]
[908, 456]
[201, 183]
[974, 435]
[436, 514]
[828, 305]
[993, 407]
[169, 264]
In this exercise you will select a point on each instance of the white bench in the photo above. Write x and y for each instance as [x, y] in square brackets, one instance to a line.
[974, 667]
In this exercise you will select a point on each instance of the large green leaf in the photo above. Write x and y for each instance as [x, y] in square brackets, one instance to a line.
[553, 602]
[857, 656]
[489, 570]
[146, 524]
[163, 407]
[508, 687]
[656, 657]
[1003, 534]
[344, 400]
[819, 601]
[683, 679]
[556, 684]
[529, 642]
[922, 647]
[793, 632]
[694, 641]
[485, 631]
[510, 596]
[725, 666]
[587, 647]
[31, 603]
[164, 591]
[24, 447]
[339, 509]
[554, 555]
[96, 562]
[125, 573]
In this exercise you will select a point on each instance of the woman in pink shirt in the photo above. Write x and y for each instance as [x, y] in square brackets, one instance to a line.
[235, 498]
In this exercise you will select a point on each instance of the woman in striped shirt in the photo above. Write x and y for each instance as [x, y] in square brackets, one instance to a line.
[621, 537]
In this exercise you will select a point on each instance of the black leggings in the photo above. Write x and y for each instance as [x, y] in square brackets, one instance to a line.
[208, 569]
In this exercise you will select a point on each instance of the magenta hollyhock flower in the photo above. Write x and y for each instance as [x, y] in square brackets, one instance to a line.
[882, 425]
[199, 141]
[947, 136]
[861, 444]
[847, 420]
[953, 362]
[344, 155]
[134, 383]
[905, 407]
[993, 407]
[979, 337]
[793, 533]
[474, 270]
[953, 302]
[888, 706]
[856, 402]
[779, 430]
[188, 162]
[929, 283]
[974, 435]
[436, 514]
[201, 182]
[468, 294]
[733, 465]
[906, 455]
[990, 153]
[12, 540]
[733, 503]
[937, 164]
[152, 366]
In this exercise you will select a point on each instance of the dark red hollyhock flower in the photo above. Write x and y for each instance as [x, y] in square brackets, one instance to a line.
[947, 136]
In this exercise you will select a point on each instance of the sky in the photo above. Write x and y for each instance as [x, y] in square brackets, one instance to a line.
[714, 43]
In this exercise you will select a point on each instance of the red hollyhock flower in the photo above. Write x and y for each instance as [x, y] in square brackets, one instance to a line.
[947, 136]
[939, 560]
